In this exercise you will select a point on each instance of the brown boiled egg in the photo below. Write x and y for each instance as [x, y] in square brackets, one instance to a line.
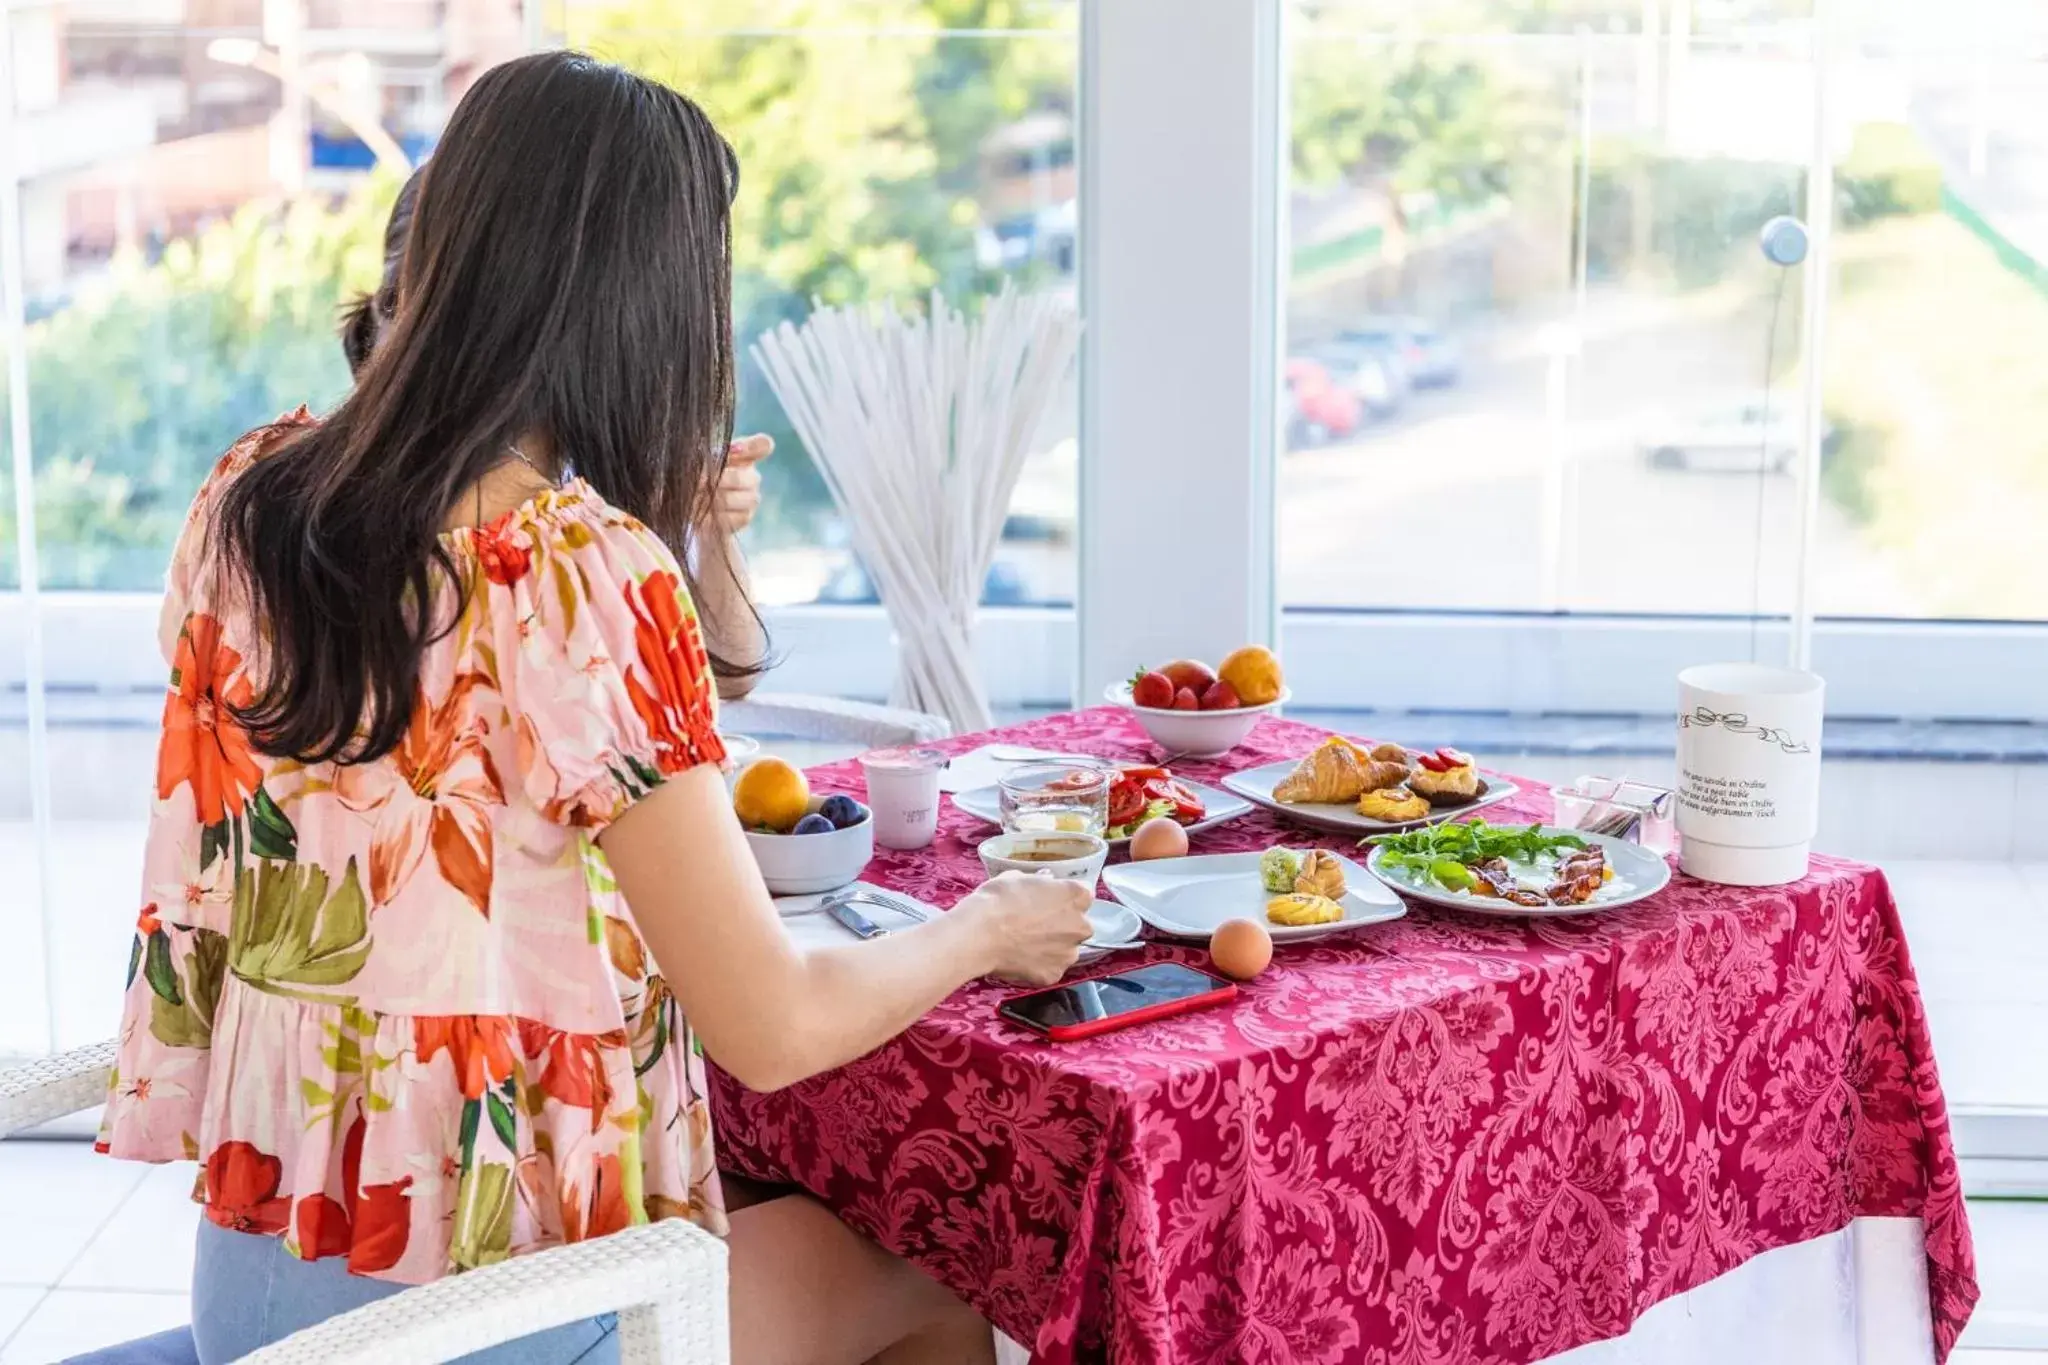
[1240, 948]
[1159, 837]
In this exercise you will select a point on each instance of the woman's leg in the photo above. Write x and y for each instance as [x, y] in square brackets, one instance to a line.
[808, 1290]
[743, 1191]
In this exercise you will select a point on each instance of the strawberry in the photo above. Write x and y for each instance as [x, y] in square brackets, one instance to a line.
[1151, 689]
[1220, 696]
[1185, 700]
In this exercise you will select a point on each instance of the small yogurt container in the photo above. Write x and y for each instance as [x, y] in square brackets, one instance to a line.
[903, 794]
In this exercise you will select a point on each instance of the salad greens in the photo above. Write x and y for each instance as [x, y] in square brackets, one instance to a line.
[1153, 810]
[1446, 853]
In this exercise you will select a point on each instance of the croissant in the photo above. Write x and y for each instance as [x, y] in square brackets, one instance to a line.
[1338, 770]
[1321, 875]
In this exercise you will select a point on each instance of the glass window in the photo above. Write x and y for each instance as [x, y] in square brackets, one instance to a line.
[1936, 478]
[883, 156]
[204, 197]
[1528, 321]
[187, 244]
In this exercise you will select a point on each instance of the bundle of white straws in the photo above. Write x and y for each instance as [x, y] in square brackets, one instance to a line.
[921, 426]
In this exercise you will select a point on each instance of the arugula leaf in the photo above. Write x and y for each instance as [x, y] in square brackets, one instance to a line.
[1429, 849]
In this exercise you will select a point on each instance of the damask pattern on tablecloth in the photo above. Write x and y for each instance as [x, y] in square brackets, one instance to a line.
[1443, 1139]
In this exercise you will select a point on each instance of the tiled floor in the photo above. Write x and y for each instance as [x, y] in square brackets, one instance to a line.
[98, 1251]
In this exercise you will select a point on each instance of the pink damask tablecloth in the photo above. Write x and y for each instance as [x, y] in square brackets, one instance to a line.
[1444, 1139]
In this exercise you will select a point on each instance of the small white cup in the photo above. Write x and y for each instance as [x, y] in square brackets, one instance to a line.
[1748, 772]
[903, 794]
[1067, 855]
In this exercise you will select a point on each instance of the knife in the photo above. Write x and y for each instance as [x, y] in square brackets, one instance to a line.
[852, 919]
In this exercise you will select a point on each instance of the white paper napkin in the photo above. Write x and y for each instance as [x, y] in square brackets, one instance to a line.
[983, 768]
[809, 925]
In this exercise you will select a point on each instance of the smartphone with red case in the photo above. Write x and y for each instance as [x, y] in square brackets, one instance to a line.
[1082, 1009]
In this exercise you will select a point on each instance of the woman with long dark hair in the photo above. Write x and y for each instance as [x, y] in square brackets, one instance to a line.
[444, 885]
[737, 641]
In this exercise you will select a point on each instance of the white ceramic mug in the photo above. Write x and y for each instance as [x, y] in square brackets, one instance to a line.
[1748, 772]
[903, 795]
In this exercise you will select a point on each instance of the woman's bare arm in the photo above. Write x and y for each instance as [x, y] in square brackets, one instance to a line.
[772, 1013]
[724, 589]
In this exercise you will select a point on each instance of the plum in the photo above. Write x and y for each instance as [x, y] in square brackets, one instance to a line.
[843, 811]
[815, 823]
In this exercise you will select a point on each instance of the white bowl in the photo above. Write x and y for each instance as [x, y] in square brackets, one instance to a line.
[1195, 734]
[1003, 853]
[804, 864]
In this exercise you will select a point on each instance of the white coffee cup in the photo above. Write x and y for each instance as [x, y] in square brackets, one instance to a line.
[903, 795]
[1066, 855]
[1748, 772]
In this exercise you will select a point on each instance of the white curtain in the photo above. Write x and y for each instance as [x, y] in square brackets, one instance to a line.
[921, 425]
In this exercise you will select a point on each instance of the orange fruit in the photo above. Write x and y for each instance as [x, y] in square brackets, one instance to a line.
[1253, 673]
[770, 794]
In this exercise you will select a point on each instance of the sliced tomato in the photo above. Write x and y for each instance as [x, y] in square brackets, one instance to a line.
[1126, 802]
[1078, 780]
[1187, 807]
[1140, 773]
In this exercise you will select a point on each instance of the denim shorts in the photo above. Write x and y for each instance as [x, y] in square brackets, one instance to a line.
[248, 1291]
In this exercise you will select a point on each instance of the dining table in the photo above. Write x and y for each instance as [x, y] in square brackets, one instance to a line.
[1706, 1122]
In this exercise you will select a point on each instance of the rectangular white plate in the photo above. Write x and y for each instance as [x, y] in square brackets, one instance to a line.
[1189, 897]
[985, 803]
[1256, 786]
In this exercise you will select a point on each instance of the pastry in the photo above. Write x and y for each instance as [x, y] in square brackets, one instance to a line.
[1321, 875]
[1393, 753]
[1337, 770]
[1393, 804]
[1278, 867]
[1446, 777]
[1298, 909]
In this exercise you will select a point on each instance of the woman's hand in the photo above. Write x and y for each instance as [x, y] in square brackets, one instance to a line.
[739, 488]
[1030, 926]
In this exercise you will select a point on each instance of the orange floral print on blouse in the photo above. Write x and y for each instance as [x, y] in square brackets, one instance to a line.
[398, 1011]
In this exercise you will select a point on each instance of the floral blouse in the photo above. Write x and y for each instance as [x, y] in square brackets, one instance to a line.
[399, 1011]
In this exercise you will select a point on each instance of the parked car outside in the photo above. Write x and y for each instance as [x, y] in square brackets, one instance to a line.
[1428, 358]
[1363, 370]
[1740, 436]
[1320, 410]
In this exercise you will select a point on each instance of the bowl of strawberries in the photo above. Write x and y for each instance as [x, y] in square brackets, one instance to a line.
[1194, 711]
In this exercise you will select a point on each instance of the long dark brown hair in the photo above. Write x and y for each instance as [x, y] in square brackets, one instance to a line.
[568, 272]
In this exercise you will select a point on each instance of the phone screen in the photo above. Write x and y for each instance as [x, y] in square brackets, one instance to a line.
[1105, 997]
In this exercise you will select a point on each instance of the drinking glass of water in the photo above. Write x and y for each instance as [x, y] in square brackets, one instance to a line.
[1046, 798]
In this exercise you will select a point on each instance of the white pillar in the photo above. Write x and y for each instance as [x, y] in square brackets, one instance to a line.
[1183, 188]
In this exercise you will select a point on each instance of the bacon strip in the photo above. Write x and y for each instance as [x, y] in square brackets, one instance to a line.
[1578, 877]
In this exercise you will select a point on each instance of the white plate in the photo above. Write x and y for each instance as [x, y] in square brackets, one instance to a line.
[1189, 897]
[1256, 786]
[985, 803]
[1637, 873]
[1116, 927]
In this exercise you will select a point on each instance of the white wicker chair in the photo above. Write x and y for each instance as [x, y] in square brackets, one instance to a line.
[666, 1281]
[789, 715]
